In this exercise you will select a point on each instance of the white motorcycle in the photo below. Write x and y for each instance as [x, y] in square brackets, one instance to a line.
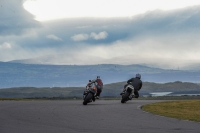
[127, 94]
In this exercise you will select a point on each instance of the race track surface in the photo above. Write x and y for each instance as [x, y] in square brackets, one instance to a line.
[102, 116]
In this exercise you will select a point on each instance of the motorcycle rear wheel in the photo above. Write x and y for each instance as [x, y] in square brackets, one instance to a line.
[125, 97]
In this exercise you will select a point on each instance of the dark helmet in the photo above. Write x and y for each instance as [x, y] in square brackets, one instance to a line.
[138, 76]
[90, 80]
[98, 77]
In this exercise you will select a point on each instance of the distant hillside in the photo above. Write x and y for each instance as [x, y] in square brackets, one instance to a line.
[149, 87]
[112, 90]
[23, 75]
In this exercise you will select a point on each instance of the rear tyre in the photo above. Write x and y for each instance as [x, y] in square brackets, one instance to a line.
[84, 103]
[87, 98]
[125, 97]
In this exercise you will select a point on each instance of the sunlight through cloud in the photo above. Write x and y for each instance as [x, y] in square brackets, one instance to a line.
[53, 9]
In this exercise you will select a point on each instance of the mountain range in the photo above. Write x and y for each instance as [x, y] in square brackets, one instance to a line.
[66, 59]
[14, 74]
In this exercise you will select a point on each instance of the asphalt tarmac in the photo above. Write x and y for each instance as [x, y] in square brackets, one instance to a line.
[101, 116]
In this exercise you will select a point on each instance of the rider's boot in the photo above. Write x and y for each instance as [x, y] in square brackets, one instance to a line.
[122, 93]
[93, 99]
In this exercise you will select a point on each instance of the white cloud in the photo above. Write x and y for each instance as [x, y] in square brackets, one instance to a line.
[80, 37]
[51, 36]
[16, 52]
[100, 8]
[101, 35]
[83, 27]
[93, 35]
[5, 45]
[167, 39]
[159, 51]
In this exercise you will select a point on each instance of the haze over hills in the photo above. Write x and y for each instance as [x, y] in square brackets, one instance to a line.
[67, 59]
[38, 75]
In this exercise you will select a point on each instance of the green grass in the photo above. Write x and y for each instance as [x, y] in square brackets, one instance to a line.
[183, 109]
[15, 99]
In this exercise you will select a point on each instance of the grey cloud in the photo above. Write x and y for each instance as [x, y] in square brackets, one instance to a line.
[164, 22]
[14, 18]
[158, 37]
[51, 36]
[155, 22]
[83, 27]
[166, 39]
[95, 25]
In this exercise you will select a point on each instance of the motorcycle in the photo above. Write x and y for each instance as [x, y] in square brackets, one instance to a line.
[89, 95]
[127, 95]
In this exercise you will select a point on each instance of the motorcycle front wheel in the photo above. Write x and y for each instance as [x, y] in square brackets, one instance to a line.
[87, 98]
[125, 97]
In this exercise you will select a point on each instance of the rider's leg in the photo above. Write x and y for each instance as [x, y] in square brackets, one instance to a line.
[99, 90]
[136, 94]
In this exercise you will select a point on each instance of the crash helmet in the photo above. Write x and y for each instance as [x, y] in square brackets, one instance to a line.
[138, 76]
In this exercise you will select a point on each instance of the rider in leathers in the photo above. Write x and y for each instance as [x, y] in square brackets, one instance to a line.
[99, 85]
[136, 83]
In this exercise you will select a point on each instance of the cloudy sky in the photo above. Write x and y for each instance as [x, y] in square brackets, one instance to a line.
[160, 33]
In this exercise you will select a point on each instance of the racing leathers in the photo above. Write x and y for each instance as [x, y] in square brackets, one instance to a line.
[136, 83]
[99, 85]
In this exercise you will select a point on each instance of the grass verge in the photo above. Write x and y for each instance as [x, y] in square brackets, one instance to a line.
[15, 99]
[184, 109]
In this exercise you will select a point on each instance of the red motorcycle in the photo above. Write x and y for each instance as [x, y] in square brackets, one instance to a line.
[89, 95]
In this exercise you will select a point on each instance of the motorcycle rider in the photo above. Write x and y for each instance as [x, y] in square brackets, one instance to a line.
[89, 85]
[99, 85]
[136, 83]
